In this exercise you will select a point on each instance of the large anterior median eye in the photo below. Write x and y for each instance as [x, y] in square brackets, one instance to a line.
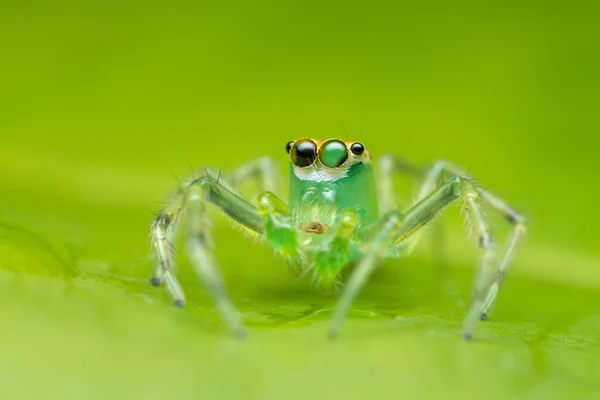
[333, 153]
[303, 153]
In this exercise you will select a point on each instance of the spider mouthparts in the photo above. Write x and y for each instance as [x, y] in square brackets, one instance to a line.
[315, 227]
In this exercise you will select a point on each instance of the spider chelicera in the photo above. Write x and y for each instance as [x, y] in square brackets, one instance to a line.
[336, 219]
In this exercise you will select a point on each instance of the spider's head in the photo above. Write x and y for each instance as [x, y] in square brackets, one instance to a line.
[328, 177]
[325, 160]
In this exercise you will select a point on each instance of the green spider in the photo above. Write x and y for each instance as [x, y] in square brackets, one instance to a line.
[335, 220]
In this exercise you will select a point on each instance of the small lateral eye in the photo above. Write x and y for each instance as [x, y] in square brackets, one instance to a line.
[357, 148]
[334, 153]
[288, 146]
[303, 153]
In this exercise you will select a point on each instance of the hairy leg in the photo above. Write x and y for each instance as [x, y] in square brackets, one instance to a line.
[164, 227]
[471, 199]
[391, 229]
[517, 220]
[162, 232]
[197, 193]
[397, 229]
[388, 167]
[193, 197]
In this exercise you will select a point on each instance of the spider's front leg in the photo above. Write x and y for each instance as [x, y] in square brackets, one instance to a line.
[193, 198]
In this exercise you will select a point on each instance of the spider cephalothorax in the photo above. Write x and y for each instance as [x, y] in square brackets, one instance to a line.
[326, 178]
[333, 219]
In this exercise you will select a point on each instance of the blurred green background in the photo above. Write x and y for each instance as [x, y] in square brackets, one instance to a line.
[104, 105]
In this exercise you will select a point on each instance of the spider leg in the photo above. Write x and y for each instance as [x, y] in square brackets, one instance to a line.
[162, 232]
[388, 167]
[509, 253]
[484, 275]
[199, 243]
[517, 220]
[392, 228]
[396, 229]
[164, 226]
[193, 197]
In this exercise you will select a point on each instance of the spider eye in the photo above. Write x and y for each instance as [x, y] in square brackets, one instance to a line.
[303, 153]
[357, 148]
[288, 146]
[333, 153]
